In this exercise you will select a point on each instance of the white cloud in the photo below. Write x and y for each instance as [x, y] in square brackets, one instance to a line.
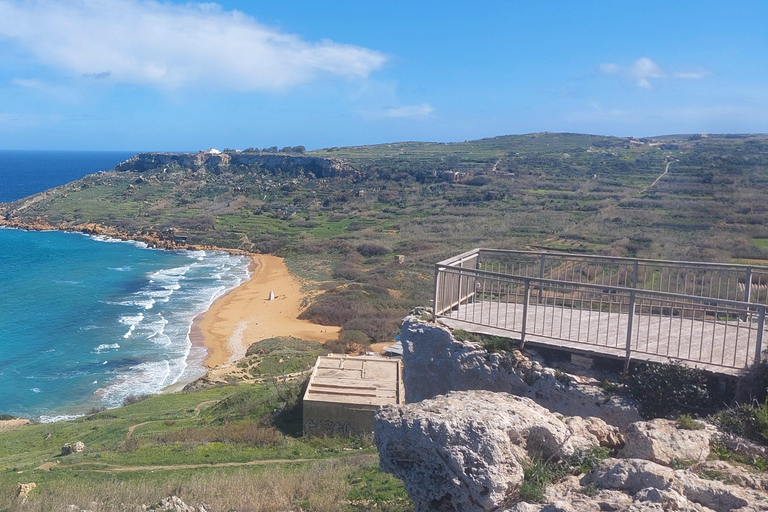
[169, 46]
[696, 75]
[409, 111]
[28, 83]
[644, 70]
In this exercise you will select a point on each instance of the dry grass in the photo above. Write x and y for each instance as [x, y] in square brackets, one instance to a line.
[319, 487]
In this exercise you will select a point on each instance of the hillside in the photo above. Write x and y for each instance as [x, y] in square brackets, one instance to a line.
[338, 214]
[233, 447]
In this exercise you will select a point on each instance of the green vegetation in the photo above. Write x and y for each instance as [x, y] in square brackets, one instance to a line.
[686, 422]
[231, 447]
[237, 447]
[540, 473]
[663, 389]
[746, 420]
[490, 343]
[426, 201]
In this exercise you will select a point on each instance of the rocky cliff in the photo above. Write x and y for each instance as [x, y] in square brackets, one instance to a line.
[436, 363]
[479, 427]
[307, 165]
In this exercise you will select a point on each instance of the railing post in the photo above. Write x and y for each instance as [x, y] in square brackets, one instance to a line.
[748, 285]
[436, 302]
[630, 320]
[760, 330]
[635, 274]
[526, 300]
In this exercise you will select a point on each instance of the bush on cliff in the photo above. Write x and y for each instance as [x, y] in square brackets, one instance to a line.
[663, 389]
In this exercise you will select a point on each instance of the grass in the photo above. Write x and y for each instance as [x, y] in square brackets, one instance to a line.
[490, 343]
[224, 446]
[540, 473]
[686, 422]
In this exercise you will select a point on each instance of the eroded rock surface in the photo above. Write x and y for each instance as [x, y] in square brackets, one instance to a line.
[466, 450]
[436, 363]
[662, 441]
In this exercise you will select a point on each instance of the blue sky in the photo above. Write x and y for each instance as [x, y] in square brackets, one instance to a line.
[164, 76]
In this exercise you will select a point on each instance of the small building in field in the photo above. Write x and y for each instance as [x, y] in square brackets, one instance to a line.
[344, 393]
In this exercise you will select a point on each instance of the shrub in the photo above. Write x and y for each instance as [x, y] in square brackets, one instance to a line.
[479, 181]
[349, 342]
[662, 389]
[752, 386]
[746, 420]
[370, 249]
[686, 422]
[134, 399]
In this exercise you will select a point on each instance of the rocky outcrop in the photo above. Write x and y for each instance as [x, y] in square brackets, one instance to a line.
[308, 165]
[466, 450]
[23, 490]
[69, 449]
[457, 449]
[647, 481]
[175, 504]
[435, 362]
[662, 441]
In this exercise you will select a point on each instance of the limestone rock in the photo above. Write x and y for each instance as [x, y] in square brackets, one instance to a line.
[175, 504]
[69, 449]
[647, 481]
[467, 449]
[436, 363]
[632, 475]
[23, 490]
[721, 470]
[606, 435]
[661, 441]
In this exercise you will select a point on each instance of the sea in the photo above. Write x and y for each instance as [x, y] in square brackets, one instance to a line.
[86, 321]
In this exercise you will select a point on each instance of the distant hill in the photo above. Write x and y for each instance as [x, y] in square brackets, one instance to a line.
[339, 213]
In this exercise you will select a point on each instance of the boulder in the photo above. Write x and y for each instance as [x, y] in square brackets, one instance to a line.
[23, 490]
[69, 449]
[721, 470]
[631, 475]
[435, 362]
[466, 450]
[646, 481]
[175, 504]
[662, 441]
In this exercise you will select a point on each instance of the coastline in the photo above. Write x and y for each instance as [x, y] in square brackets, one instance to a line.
[245, 315]
[242, 316]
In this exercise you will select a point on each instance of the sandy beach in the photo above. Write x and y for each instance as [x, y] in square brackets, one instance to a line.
[245, 315]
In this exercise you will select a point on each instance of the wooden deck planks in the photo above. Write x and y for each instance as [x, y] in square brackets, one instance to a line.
[716, 345]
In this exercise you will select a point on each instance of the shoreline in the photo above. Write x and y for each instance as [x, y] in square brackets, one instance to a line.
[245, 315]
[242, 316]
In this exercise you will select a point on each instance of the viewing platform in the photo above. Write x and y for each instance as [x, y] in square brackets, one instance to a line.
[707, 315]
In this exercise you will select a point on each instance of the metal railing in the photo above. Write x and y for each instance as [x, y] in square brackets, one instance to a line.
[709, 315]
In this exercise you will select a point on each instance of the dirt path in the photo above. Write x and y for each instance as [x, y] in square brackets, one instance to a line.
[197, 410]
[666, 170]
[109, 468]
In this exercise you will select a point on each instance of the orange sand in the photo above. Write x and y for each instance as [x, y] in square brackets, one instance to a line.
[245, 315]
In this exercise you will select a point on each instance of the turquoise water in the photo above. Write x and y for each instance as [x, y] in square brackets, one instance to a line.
[85, 322]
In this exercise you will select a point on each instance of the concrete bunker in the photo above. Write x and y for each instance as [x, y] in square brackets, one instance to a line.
[344, 393]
